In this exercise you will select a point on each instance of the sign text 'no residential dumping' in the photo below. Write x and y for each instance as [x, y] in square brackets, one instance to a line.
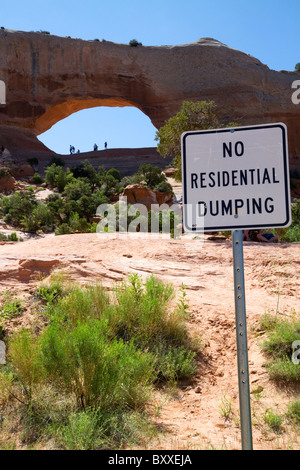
[235, 178]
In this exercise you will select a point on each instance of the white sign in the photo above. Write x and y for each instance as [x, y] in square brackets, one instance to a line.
[236, 178]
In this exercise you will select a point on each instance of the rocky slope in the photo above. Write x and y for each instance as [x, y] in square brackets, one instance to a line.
[191, 419]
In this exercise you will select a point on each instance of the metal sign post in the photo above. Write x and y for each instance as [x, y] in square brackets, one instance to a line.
[241, 339]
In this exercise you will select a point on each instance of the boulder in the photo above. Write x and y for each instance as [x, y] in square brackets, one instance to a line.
[139, 194]
[22, 171]
[7, 183]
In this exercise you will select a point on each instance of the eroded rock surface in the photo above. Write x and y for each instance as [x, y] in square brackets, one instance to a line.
[48, 78]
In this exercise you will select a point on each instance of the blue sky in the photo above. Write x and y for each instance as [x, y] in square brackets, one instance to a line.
[266, 29]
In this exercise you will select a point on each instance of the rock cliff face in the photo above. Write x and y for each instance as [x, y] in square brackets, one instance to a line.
[48, 78]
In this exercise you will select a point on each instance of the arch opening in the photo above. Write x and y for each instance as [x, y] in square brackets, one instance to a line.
[123, 126]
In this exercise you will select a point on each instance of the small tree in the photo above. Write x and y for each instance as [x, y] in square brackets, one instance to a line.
[152, 175]
[134, 43]
[297, 66]
[198, 115]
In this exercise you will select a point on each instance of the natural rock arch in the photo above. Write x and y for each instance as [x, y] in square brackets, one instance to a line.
[49, 77]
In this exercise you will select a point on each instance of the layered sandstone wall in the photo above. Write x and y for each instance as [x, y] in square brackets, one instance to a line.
[48, 78]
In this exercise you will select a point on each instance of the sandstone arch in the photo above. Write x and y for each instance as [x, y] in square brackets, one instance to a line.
[61, 111]
[48, 77]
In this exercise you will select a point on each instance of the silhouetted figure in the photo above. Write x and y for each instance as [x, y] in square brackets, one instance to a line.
[95, 147]
[72, 149]
[105, 145]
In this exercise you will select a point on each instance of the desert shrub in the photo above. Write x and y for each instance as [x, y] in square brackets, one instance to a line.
[101, 354]
[9, 238]
[152, 175]
[81, 431]
[10, 307]
[57, 177]
[91, 175]
[291, 233]
[76, 189]
[50, 293]
[24, 355]
[37, 179]
[17, 206]
[134, 179]
[63, 229]
[99, 372]
[293, 411]
[192, 116]
[164, 187]
[77, 223]
[273, 420]
[41, 218]
[134, 43]
[115, 173]
[110, 185]
[279, 348]
[13, 237]
[141, 315]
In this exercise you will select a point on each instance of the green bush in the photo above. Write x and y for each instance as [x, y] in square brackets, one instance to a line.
[63, 229]
[76, 189]
[141, 315]
[273, 420]
[17, 206]
[37, 179]
[278, 348]
[41, 218]
[164, 187]
[98, 372]
[82, 431]
[13, 237]
[9, 238]
[85, 380]
[152, 175]
[24, 355]
[291, 233]
[134, 43]
[57, 177]
[115, 173]
[10, 307]
[293, 411]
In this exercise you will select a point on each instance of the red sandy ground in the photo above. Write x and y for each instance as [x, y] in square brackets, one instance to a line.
[192, 418]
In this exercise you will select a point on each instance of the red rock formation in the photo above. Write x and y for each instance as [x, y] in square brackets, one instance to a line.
[138, 194]
[48, 78]
[7, 183]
